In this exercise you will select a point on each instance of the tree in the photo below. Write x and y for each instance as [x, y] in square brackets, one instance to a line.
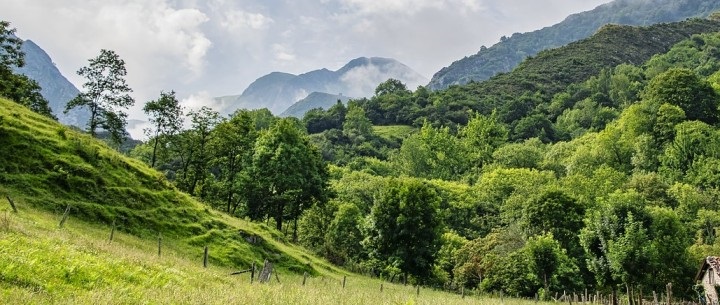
[616, 241]
[191, 148]
[165, 114]
[556, 213]
[288, 172]
[404, 228]
[232, 146]
[17, 87]
[683, 88]
[432, 153]
[549, 262]
[357, 126]
[481, 136]
[106, 94]
[343, 235]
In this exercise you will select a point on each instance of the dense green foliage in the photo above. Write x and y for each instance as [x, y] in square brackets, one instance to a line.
[609, 186]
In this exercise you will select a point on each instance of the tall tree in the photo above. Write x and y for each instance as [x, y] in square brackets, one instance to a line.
[232, 145]
[559, 214]
[191, 147]
[288, 174]
[165, 114]
[106, 94]
[404, 228]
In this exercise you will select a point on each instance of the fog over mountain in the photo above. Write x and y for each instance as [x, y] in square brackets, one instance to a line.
[358, 78]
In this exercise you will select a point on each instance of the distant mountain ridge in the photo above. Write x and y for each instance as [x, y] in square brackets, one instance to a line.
[55, 87]
[278, 91]
[312, 101]
[510, 51]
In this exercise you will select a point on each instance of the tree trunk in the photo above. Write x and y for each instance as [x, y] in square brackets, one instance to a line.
[152, 163]
[614, 300]
[279, 216]
[295, 236]
[545, 283]
[229, 202]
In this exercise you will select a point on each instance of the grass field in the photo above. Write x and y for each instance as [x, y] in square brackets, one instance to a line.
[394, 131]
[41, 263]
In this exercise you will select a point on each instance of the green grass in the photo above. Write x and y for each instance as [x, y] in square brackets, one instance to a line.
[394, 131]
[43, 264]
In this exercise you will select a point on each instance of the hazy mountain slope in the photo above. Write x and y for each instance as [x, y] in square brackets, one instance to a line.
[277, 91]
[510, 51]
[312, 101]
[55, 87]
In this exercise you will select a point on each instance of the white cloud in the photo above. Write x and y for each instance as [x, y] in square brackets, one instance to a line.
[197, 100]
[283, 53]
[410, 6]
[234, 20]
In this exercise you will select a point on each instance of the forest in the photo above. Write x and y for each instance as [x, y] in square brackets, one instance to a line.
[531, 183]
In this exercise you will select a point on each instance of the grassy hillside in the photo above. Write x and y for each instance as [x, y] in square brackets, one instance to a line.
[49, 166]
[42, 264]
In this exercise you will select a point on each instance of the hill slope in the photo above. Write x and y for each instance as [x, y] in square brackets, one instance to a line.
[49, 166]
[358, 78]
[533, 83]
[509, 52]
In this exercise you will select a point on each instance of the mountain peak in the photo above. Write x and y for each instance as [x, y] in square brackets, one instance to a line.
[358, 78]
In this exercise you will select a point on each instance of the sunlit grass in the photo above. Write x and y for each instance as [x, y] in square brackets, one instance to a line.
[394, 131]
[43, 264]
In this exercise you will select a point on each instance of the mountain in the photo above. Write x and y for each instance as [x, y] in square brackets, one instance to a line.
[510, 51]
[358, 78]
[314, 100]
[55, 87]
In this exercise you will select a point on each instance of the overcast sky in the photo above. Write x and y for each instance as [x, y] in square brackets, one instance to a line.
[205, 48]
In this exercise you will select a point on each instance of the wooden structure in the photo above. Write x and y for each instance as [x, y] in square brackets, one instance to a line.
[709, 277]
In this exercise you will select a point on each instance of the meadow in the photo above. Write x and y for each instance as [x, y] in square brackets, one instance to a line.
[41, 263]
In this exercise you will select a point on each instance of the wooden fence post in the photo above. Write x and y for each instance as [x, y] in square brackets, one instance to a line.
[65, 216]
[112, 231]
[381, 287]
[304, 277]
[252, 273]
[669, 293]
[205, 257]
[344, 279]
[418, 289]
[12, 204]
[462, 292]
[655, 300]
[159, 244]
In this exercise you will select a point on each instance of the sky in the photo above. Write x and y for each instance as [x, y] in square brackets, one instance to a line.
[207, 48]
